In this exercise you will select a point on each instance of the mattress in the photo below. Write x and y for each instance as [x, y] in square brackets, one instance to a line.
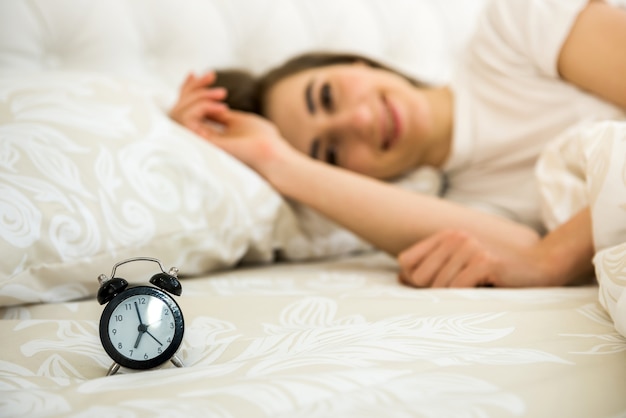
[339, 337]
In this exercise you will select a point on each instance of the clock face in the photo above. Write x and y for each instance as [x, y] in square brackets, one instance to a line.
[142, 327]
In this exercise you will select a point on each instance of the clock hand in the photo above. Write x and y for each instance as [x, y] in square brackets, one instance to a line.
[142, 330]
[138, 339]
[138, 314]
[154, 338]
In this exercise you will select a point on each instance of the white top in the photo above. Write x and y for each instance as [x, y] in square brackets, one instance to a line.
[509, 102]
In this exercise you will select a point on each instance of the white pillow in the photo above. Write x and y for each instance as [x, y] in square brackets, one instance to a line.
[92, 172]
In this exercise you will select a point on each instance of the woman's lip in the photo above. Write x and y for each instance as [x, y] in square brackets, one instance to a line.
[392, 134]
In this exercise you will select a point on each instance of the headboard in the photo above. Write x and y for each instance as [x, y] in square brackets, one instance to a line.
[164, 39]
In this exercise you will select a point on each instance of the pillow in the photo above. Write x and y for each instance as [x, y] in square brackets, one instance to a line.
[93, 172]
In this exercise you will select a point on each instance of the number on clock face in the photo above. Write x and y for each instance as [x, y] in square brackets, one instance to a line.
[141, 327]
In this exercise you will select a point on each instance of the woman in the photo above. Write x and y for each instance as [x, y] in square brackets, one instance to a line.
[518, 88]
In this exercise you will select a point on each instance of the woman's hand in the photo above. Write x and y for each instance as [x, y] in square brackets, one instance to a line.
[198, 104]
[448, 259]
[453, 258]
[252, 139]
[458, 259]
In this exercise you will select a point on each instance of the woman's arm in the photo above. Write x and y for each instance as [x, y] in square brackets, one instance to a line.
[385, 215]
[593, 56]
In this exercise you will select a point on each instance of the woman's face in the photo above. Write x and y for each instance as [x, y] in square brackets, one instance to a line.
[364, 119]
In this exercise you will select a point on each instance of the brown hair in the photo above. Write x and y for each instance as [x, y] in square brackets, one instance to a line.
[247, 92]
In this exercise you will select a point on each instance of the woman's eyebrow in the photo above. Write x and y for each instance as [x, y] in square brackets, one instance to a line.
[308, 98]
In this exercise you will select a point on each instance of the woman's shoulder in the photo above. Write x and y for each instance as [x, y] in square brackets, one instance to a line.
[537, 16]
[531, 31]
[519, 10]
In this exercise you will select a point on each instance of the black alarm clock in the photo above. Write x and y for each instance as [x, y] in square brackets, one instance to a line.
[141, 327]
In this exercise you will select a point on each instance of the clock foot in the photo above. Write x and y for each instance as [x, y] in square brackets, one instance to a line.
[113, 369]
[176, 361]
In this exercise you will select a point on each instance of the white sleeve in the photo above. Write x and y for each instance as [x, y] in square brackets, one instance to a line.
[529, 32]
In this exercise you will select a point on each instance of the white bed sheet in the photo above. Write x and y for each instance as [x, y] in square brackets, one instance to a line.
[337, 338]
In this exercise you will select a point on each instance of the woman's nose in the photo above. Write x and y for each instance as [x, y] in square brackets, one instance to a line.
[356, 121]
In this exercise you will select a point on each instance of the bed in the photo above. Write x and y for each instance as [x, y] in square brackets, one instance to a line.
[286, 314]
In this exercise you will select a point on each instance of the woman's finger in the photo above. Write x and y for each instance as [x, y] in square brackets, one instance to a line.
[411, 257]
[198, 112]
[187, 83]
[473, 275]
[463, 251]
[202, 95]
[216, 93]
[424, 274]
[193, 83]
[207, 130]
[207, 79]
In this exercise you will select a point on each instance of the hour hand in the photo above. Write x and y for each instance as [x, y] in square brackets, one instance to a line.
[138, 339]
[142, 330]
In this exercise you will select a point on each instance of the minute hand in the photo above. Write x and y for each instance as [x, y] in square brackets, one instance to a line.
[138, 314]
[154, 338]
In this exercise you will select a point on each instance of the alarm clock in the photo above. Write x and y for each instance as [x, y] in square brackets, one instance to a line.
[141, 327]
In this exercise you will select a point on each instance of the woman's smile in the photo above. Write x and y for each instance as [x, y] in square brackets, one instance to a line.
[391, 124]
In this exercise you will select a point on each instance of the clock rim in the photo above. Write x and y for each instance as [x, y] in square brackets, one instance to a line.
[167, 354]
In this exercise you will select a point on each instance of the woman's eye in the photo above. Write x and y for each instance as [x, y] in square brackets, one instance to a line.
[326, 97]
